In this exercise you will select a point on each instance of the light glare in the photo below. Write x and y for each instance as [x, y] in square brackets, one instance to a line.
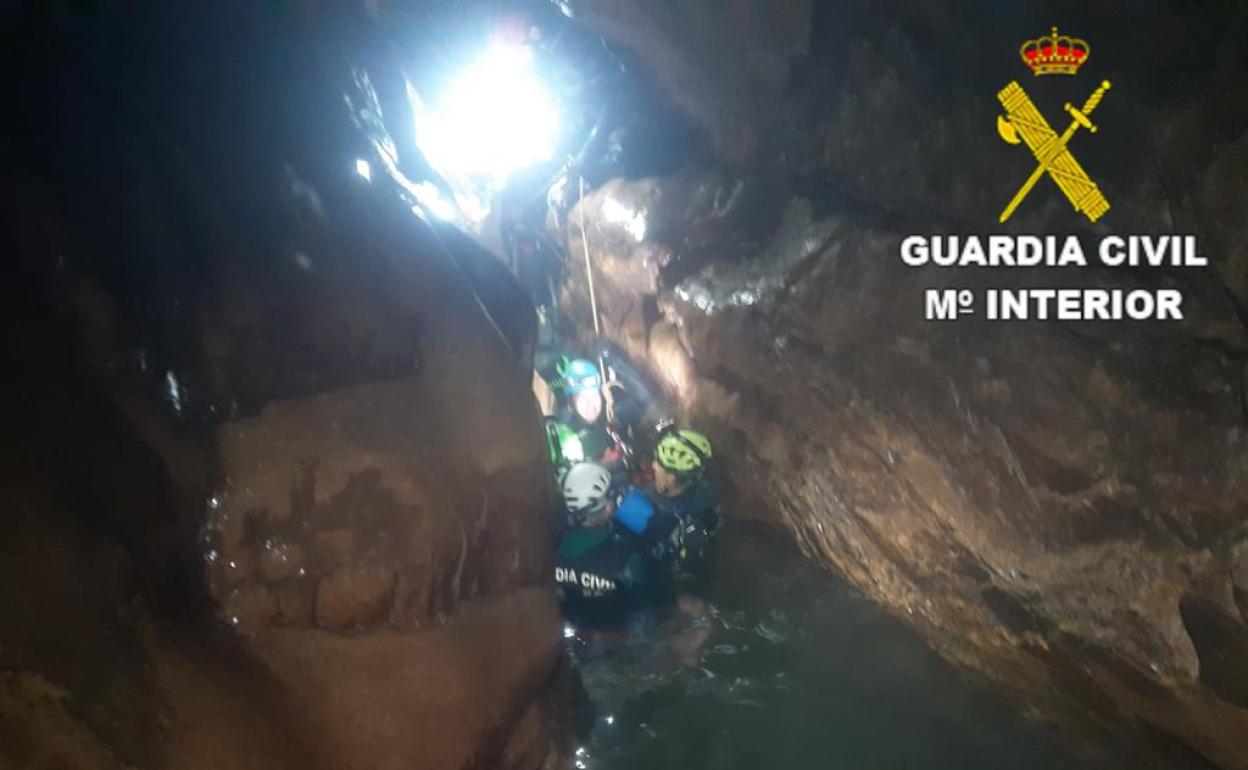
[618, 214]
[573, 450]
[492, 119]
[428, 195]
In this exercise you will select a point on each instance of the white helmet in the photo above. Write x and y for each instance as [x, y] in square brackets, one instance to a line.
[585, 488]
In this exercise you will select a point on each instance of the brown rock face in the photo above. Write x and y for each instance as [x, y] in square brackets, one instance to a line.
[274, 487]
[722, 63]
[1060, 507]
[372, 544]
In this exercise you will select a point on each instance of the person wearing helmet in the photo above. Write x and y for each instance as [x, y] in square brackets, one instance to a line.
[687, 509]
[599, 569]
[585, 411]
[577, 385]
[564, 375]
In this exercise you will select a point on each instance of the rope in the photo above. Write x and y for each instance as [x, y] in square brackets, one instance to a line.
[589, 278]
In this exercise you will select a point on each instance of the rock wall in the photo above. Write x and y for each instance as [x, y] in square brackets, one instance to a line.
[274, 486]
[1059, 507]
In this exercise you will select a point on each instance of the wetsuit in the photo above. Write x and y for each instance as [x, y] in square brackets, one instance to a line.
[698, 506]
[595, 438]
[680, 532]
[600, 575]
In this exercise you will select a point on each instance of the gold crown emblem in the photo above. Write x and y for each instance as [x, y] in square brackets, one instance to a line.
[1055, 54]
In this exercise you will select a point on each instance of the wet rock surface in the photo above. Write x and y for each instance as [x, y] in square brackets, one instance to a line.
[1061, 508]
[273, 482]
[1033, 499]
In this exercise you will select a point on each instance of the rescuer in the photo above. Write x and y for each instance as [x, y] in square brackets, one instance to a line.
[577, 387]
[600, 570]
[686, 507]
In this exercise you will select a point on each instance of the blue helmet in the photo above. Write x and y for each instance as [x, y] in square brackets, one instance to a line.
[581, 375]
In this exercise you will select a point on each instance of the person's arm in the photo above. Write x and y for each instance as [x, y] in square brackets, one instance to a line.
[700, 521]
[705, 510]
[662, 534]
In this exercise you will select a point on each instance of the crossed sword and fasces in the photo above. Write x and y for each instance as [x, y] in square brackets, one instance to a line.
[1023, 119]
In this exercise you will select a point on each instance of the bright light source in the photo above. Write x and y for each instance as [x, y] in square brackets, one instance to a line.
[363, 169]
[493, 118]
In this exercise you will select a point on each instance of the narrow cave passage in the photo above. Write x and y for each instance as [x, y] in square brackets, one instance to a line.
[524, 384]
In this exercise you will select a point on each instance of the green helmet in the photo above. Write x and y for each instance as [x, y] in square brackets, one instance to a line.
[683, 452]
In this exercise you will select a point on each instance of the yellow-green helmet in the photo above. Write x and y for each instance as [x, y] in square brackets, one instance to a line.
[683, 452]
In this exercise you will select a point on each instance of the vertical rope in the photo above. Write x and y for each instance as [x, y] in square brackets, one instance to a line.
[589, 269]
[589, 278]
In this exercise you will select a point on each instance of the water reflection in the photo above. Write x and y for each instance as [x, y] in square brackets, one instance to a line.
[793, 670]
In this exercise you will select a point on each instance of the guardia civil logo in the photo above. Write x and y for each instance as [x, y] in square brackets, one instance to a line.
[1051, 154]
[1022, 123]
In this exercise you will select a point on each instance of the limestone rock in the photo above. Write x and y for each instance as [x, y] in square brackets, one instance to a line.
[274, 490]
[1058, 506]
[1028, 496]
[355, 595]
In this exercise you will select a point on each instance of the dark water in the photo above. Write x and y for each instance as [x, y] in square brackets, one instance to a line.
[799, 672]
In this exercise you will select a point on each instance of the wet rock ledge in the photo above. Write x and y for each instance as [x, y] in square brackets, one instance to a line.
[273, 486]
[1062, 508]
